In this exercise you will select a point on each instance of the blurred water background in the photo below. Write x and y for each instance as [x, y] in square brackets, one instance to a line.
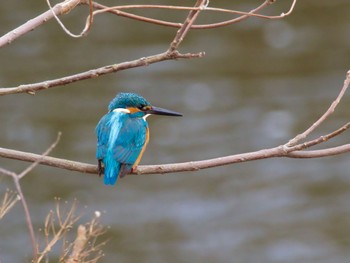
[260, 83]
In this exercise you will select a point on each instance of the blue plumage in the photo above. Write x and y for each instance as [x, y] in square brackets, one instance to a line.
[122, 134]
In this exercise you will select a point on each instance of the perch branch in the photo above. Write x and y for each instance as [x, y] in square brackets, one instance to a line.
[280, 151]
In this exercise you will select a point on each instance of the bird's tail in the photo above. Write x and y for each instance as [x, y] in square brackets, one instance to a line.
[111, 170]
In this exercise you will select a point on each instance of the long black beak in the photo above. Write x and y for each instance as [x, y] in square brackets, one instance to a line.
[161, 111]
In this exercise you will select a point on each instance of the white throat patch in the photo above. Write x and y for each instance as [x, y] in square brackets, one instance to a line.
[121, 110]
[144, 117]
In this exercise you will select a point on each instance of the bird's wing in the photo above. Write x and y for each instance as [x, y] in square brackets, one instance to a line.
[102, 130]
[121, 139]
[130, 141]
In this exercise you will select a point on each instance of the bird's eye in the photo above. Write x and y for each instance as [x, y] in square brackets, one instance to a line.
[145, 108]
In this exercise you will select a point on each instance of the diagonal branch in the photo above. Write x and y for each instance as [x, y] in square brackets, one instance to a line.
[59, 9]
[330, 110]
[34, 87]
[16, 179]
[34, 164]
[182, 32]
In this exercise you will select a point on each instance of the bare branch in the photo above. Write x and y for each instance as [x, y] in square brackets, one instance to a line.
[243, 15]
[32, 88]
[9, 200]
[321, 153]
[59, 9]
[33, 165]
[171, 54]
[55, 233]
[16, 178]
[72, 5]
[280, 151]
[182, 32]
[330, 110]
[319, 140]
[25, 208]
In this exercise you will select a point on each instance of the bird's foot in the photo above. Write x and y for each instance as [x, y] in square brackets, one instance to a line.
[133, 170]
[100, 168]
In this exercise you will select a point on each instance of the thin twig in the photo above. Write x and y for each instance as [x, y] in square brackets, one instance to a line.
[68, 5]
[25, 208]
[33, 165]
[88, 24]
[182, 32]
[319, 140]
[16, 179]
[243, 15]
[9, 200]
[330, 110]
[66, 221]
[59, 9]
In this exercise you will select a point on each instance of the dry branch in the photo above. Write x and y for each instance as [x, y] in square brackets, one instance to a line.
[117, 10]
[16, 179]
[280, 151]
[33, 88]
[59, 9]
[330, 110]
[171, 54]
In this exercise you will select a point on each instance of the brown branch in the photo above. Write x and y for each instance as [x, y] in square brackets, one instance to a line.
[182, 32]
[16, 179]
[8, 201]
[243, 15]
[34, 87]
[68, 5]
[320, 153]
[59, 9]
[33, 165]
[88, 24]
[330, 110]
[280, 151]
[319, 140]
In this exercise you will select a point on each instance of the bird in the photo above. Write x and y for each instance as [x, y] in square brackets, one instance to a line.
[123, 134]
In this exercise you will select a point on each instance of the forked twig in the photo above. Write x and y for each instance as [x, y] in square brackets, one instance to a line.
[59, 9]
[16, 179]
[330, 110]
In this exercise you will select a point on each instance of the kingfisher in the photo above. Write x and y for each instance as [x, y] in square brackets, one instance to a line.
[123, 134]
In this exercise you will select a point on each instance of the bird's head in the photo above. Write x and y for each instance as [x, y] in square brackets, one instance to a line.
[137, 106]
